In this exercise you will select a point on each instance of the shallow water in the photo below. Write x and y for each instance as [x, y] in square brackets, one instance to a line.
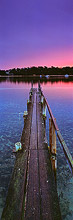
[13, 102]
[60, 99]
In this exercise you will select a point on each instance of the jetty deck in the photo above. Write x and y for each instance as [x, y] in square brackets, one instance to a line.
[32, 193]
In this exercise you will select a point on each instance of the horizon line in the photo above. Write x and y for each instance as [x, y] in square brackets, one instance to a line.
[59, 67]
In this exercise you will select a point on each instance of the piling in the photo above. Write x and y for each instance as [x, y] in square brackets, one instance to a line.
[32, 191]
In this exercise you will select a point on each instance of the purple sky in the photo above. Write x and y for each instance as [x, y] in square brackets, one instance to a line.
[36, 32]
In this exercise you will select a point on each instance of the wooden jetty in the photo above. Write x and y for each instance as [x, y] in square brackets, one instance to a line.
[53, 131]
[32, 193]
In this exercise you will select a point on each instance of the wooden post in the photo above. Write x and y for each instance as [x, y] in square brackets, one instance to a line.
[44, 108]
[53, 140]
[54, 162]
[41, 99]
[30, 95]
[52, 137]
[52, 144]
[39, 87]
[50, 134]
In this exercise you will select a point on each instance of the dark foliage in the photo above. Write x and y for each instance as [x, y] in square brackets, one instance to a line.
[37, 71]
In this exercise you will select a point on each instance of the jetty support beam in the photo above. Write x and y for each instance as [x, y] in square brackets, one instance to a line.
[44, 108]
[52, 143]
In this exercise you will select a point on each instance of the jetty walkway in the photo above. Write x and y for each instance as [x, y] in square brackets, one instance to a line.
[32, 193]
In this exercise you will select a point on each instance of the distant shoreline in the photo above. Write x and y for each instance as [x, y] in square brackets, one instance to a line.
[38, 72]
[34, 76]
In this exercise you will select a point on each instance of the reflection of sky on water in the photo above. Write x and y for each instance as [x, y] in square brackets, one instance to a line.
[13, 100]
[60, 99]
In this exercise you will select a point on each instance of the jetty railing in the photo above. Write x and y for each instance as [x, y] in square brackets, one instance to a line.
[53, 131]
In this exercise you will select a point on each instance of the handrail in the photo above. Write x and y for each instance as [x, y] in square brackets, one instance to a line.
[65, 148]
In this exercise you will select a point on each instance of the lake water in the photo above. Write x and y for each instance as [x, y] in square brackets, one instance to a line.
[13, 102]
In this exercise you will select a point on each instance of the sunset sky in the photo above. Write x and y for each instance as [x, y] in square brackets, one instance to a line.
[36, 32]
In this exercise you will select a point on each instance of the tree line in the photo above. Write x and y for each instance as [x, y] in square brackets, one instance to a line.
[37, 71]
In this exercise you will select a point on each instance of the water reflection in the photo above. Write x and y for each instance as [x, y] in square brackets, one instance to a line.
[13, 102]
[29, 79]
[60, 99]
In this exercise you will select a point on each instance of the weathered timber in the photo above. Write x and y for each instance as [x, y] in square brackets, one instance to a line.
[14, 201]
[41, 194]
[48, 194]
[32, 192]
[65, 148]
[52, 137]
[32, 209]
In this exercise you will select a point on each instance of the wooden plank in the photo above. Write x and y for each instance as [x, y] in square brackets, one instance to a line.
[32, 193]
[40, 122]
[32, 209]
[49, 199]
[33, 139]
[65, 148]
[17, 187]
[32, 206]
[44, 188]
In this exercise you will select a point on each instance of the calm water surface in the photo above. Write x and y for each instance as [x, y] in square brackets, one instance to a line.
[13, 102]
[60, 99]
